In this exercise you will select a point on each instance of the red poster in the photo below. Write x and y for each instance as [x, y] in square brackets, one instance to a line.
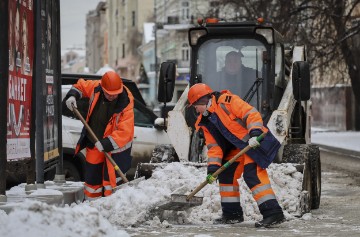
[21, 55]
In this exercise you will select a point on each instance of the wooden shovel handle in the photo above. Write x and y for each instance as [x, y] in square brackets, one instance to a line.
[93, 136]
[222, 168]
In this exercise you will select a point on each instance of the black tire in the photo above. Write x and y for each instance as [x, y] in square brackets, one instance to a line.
[299, 154]
[71, 172]
[164, 154]
[295, 153]
[307, 185]
[315, 166]
[197, 146]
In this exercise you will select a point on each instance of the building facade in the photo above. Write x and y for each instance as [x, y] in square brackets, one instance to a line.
[170, 42]
[96, 32]
[125, 34]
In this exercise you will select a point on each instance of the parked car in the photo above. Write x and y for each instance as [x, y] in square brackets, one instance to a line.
[147, 133]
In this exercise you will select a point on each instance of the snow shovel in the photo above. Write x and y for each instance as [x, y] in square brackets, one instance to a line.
[93, 136]
[180, 201]
[221, 169]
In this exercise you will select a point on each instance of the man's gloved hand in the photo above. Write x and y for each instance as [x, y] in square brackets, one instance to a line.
[99, 146]
[210, 179]
[210, 170]
[71, 101]
[253, 142]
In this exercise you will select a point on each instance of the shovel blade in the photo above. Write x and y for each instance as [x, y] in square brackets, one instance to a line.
[178, 202]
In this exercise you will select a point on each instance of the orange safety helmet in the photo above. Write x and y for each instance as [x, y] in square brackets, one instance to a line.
[197, 91]
[111, 83]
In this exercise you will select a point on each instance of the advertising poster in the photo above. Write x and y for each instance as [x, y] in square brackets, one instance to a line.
[50, 79]
[21, 55]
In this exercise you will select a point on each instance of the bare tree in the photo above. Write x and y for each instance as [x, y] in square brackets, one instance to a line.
[330, 29]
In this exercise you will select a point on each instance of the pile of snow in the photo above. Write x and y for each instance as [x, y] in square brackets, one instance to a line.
[33, 218]
[134, 205]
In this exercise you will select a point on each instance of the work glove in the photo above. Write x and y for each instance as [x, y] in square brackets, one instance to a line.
[71, 101]
[210, 179]
[99, 146]
[253, 143]
[210, 170]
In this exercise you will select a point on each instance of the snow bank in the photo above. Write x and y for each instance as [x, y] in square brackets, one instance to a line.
[136, 205]
[33, 218]
[132, 206]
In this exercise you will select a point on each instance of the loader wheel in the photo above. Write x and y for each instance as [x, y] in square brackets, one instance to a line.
[307, 184]
[164, 154]
[309, 155]
[315, 166]
[197, 146]
[295, 153]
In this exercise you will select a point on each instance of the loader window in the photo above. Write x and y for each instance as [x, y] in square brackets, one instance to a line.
[232, 64]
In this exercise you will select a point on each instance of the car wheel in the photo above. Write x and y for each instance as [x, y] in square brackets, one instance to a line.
[71, 172]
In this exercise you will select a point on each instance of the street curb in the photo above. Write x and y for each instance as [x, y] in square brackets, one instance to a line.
[339, 150]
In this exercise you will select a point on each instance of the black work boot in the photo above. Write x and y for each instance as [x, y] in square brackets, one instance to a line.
[229, 219]
[271, 220]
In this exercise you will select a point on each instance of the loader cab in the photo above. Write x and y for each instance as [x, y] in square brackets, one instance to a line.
[259, 77]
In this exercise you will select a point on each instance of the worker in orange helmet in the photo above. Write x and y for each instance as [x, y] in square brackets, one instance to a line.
[229, 125]
[111, 117]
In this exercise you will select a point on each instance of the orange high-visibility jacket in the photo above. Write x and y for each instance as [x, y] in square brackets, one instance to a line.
[235, 120]
[119, 132]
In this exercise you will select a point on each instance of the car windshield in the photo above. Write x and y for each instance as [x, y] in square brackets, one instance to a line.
[232, 64]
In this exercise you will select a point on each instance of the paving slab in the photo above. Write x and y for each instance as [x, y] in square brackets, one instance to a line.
[51, 193]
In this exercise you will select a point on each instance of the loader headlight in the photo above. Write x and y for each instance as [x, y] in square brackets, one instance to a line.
[195, 35]
[267, 33]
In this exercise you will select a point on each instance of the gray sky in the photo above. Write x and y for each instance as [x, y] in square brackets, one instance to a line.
[73, 21]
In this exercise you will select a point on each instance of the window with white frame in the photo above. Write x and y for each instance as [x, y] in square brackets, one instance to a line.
[185, 10]
[185, 52]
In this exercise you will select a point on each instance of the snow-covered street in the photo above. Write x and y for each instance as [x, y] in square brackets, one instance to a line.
[131, 211]
[134, 206]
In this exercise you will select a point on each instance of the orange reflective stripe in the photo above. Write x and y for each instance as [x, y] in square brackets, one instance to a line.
[92, 191]
[259, 189]
[265, 198]
[227, 190]
[214, 161]
[263, 194]
[119, 149]
[107, 190]
[230, 199]
[254, 125]
[253, 110]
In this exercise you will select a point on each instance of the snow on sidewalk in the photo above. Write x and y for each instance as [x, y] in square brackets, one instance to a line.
[349, 140]
[132, 206]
